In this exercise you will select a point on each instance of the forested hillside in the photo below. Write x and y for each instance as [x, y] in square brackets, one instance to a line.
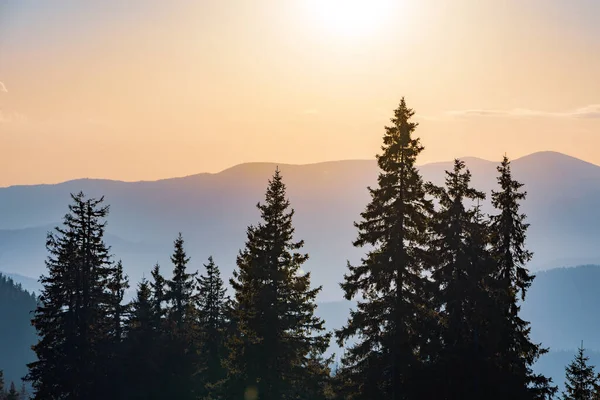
[561, 306]
[16, 333]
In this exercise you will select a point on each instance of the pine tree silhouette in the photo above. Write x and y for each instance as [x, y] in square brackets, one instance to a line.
[582, 382]
[212, 321]
[516, 352]
[273, 307]
[395, 315]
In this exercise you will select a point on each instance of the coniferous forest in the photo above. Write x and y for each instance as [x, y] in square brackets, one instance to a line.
[438, 294]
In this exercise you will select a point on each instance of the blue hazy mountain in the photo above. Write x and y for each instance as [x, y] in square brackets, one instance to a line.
[213, 210]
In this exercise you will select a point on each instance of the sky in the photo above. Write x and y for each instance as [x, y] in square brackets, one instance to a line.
[148, 89]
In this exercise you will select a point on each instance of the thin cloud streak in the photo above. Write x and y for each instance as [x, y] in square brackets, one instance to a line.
[591, 111]
[3, 88]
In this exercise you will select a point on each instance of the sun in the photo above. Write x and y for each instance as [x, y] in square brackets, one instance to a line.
[351, 18]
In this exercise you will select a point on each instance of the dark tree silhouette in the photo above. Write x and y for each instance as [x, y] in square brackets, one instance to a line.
[582, 382]
[12, 393]
[395, 314]
[212, 320]
[516, 352]
[72, 318]
[461, 264]
[180, 289]
[113, 347]
[181, 331]
[143, 344]
[273, 307]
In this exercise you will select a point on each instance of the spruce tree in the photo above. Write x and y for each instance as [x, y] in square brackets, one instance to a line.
[516, 352]
[141, 321]
[158, 287]
[114, 346]
[117, 286]
[461, 285]
[581, 380]
[12, 393]
[72, 318]
[212, 324]
[394, 319]
[274, 307]
[484, 343]
[161, 333]
[181, 352]
[180, 289]
[1, 383]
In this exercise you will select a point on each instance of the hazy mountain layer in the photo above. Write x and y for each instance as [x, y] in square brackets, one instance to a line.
[213, 210]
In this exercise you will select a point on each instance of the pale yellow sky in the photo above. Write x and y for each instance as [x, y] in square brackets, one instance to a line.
[149, 89]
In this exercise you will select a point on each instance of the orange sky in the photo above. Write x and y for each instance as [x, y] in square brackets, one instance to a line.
[150, 89]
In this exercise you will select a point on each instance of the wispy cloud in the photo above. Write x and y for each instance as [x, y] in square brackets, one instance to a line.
[591, 111]
[3, 88]
[310, 111]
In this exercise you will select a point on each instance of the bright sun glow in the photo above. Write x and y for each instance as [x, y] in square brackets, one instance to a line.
[352, 18]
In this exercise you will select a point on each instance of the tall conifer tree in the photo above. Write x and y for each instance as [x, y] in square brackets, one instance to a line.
[117, 286]
[181, 327]
[582, 382]
[212, 320]
[158, 296]
[159, 326]
[12, 392]
[461, 260]
[180, 288]
[113, 343]
[274, 307]
[517, 353]
[72, 318]
[395, 314]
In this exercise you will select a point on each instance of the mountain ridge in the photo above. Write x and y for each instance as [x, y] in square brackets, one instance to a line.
[213, 211]
[536, 155]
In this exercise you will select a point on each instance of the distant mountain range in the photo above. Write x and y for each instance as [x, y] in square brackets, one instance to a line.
[213, 210]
